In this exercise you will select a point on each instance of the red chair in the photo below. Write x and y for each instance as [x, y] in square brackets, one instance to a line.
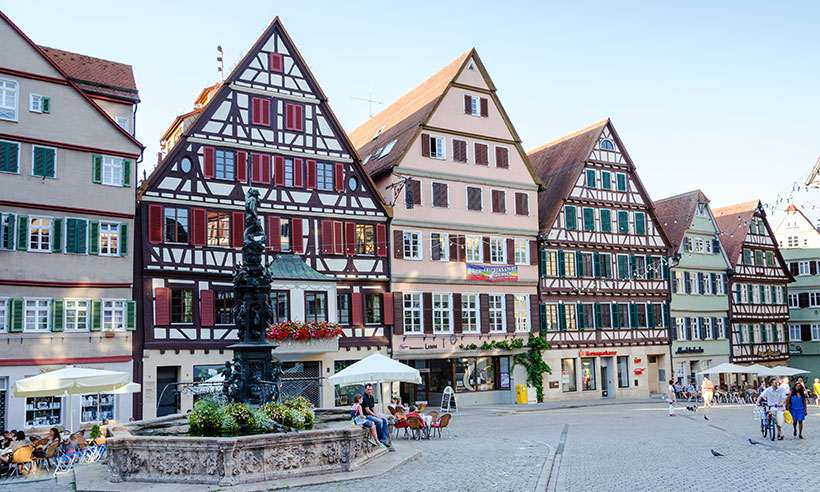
[441, 424]
[401, 422]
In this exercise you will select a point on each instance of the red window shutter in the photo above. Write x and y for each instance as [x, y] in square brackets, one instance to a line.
[206, 308]
[510, 251]
[297, 173]
[275, 62]
[256, 110]
[327, 237]
[388, 307]
[296, 236]
[256, 168]
[289, 116]
[279, 170]
[425, 145]
[484, 111]
[311, 175]
[501, 157]
[274, 233]
[398, 244]
[298, 114]
[208, 169]
[266, 169]
[533, 252]
[162, 306]
[241, 166]
[381, 240]
[339, 177]
[468, 104]
[350, 238]
[338, 235]
[356, 308]
[198, 227]
[237, 228]
[265, 112]
[155, 224]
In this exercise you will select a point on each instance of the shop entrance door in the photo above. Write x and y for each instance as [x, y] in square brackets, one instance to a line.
[606, 377]
[169, 400]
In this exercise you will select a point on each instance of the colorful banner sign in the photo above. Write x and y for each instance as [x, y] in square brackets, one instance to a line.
[492, 273]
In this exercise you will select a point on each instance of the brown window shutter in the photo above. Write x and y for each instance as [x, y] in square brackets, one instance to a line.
[468, 104]
[535, 321]
[457, 312]
[462, 248]
[525, 204]
[484, 109]
[494, 198]
[805, 333]
[444, 192]
[425, 145]
[416, 191]
[510, 311]
[484, 312]
[427, 308]
[486, 253]
[510, 251]
[398, 244]
[453, 239]
[387, 299]
[435, 246]
[533, 252]
[398, 313]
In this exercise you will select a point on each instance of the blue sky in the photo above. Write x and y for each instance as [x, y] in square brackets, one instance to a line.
[717, 97]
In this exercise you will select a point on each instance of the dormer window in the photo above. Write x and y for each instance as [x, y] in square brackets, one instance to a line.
[701, 210]
[607, 144]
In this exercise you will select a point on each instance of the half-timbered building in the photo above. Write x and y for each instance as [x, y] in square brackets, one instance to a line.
[604, 277]
[67, 179]
[268, 124]
[464, 273]
[757, 285]
[700, 273]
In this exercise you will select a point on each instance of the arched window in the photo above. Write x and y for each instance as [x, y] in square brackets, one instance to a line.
[607, 145]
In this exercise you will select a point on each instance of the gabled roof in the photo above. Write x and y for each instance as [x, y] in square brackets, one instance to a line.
[73, 84]
[558, 164]
[292, 267]
[96, 76]
[677, 212]
[733, 222]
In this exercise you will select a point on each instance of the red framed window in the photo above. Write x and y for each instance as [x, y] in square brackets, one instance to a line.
[294, 117]
[260, 111]
[275, 62]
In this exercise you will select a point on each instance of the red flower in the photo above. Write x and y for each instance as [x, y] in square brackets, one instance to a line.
[298, 330]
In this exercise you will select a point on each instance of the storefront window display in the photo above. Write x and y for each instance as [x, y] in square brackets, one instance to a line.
[43, 411]
[588, 374]
[485, 373]
[623, 372]
[568, 375]
[90, 405]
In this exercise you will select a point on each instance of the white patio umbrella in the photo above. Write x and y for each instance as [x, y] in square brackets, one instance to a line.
[785, 371]
[128, 388]
[760, 370]
[726, 368]
[69, 381]
[376, 368]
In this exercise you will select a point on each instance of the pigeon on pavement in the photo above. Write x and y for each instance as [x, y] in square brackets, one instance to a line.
[705, 417]
[715, 453]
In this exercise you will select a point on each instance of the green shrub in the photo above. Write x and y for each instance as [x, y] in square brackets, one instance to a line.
[206, 417]
[95, 432]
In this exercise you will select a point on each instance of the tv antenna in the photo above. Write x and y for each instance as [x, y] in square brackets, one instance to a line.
[369, 100]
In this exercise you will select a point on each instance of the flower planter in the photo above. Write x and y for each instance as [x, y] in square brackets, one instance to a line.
[313, 345]
[109, 335]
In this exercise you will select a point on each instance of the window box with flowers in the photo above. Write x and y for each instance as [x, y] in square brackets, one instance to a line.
[301, 337]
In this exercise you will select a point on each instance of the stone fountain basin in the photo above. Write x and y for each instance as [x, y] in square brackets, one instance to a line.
[229, 461]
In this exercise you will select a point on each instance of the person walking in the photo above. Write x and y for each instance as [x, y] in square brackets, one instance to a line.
[671, 398]
[797, 404]
[775, 396]
[708, 390]
[816, 390]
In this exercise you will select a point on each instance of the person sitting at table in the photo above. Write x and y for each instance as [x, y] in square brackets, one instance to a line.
[6, 442]
[20, 440]
[53, 435]
[359, 419]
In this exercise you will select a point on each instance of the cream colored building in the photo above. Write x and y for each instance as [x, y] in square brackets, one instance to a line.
[67, 172]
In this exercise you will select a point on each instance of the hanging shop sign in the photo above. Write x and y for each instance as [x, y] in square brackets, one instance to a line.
[492, 273]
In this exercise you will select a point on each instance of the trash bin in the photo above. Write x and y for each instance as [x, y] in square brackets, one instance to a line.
[521, 394]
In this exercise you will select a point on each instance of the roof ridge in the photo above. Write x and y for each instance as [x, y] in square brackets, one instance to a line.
[737, 208]
[679, 195]
[570, 136]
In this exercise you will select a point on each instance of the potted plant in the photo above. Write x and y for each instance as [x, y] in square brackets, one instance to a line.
[109, 333]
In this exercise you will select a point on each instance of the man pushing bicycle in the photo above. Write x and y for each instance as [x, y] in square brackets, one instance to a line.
[775, 397]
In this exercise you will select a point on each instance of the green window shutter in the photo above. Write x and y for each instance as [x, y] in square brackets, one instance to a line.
[22, 232]
[17, 315]
[747, 257]
[606, 265]
[562, 272]
[57, 315]
[633, 315]
[606, 180]
[569, 217]
[633, 266]
[56, 235]
[542, 316]
[562, 317]
[589, 219]
[579, 315]
[666, 315]
[665, 270]
[126, 172]
[606, 221]
[95, 238]
[38, 165]
[640, 223]
[123, 240]
[650, 269]
[597, 316]
[8, 156]
[96, 169]
[71, 235]
[543, 264]
[82, 233]
[616, 315]
[579, 264]
[591, 178]
[623, 222]
[96, 315]
[45, 104]
[596, 265]
[8, 239]
[49, 161]
[131, 315]
[621, 182]
[650, 315]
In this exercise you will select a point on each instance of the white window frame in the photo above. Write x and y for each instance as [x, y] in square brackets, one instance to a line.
[698, 245]
[112, 163]
[502, 310]
[116, 226]
[4, 314]
[31, 220]
[522, 314]
[475, 311]
[815, 332]
[444, 240]
[756, 333]
[794, 301]
[495, 156]
[466, 151]
[432, 194]
[414, 237]
[720, 284]
[441, 142]
[520, 245]
[792, 333]
[480, 249]
[121, 308]
[442, 314]
[37, 309]
[503, 241]
[803, 268]
[35, 98]
[694, 326]
[467, 198]
[16, 106]
[419, 310]
[721, 328]
[70, 328]
[475, 105]
[33, 147]
[755, 294]
[124, 123]
[505, 202]
[707, 325]
[779, 294]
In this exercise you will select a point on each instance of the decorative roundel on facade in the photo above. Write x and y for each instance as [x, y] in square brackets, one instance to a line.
[607, 145]
[353, 183]
[185, 164]
[453, 339]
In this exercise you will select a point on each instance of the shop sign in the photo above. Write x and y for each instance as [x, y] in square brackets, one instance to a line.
[637, 360]
[639, 370]
[689, 350]
[492, 273]
[423, 346]
[593, 353]
[797, 350]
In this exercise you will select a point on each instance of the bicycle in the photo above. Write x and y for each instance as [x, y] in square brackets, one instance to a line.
[767, 423]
